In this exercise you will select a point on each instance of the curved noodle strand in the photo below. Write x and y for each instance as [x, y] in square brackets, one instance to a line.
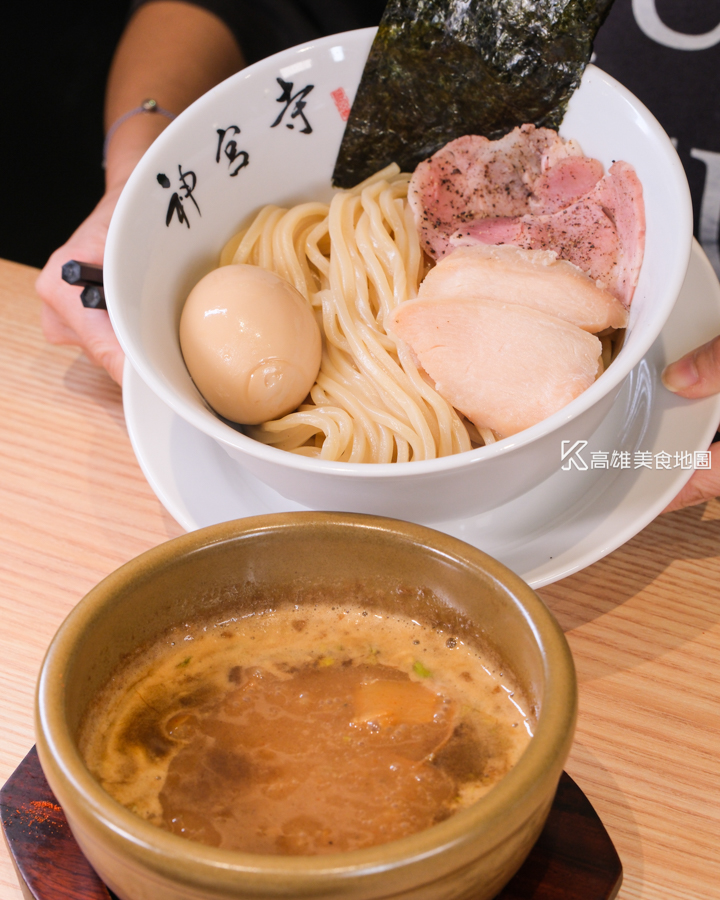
[354, 261]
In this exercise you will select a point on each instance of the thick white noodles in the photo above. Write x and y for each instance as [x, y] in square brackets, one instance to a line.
[354, 261]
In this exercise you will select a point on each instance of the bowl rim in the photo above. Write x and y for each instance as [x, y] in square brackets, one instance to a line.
[164, 851]
[203, 418]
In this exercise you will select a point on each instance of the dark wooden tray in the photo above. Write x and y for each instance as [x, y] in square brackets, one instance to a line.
[574, 858]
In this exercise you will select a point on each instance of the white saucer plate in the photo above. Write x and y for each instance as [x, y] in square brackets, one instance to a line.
[572, 519]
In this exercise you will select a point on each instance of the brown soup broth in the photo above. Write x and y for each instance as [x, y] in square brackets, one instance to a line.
[305, 730]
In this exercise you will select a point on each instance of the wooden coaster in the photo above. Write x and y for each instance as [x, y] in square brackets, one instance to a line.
[574, 858]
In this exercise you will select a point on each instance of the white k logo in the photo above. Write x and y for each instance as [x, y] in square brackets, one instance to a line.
[572, 454]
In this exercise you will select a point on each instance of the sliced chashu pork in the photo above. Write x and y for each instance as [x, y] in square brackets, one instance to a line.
[529, 170]
[504, 366]
[535, 278]
[603, 233]
[567, 180]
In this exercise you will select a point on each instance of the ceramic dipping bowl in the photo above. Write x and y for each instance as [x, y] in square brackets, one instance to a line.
[154, 257]
[471, 854]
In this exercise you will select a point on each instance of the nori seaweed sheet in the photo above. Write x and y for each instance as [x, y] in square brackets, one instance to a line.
[439, 69]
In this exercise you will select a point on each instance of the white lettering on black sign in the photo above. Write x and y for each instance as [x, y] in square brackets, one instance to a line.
[646, 15]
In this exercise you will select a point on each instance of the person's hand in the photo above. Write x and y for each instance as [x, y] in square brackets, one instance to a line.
[64, 319]
[196, 52]
[697, 375]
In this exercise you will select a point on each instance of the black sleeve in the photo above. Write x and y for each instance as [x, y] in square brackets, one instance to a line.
[263, 27]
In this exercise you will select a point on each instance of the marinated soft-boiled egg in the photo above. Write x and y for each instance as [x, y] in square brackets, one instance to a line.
[250, 342]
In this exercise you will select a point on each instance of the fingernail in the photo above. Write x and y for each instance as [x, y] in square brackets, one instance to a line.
[681, 375]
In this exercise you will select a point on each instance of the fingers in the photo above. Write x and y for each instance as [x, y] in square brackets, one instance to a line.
[64, 319]
[55, 330]
[703, 485]
[98, 342]
[697, 374]
[105, 350]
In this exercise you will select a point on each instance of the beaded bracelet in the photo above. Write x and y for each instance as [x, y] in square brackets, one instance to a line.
[148, 106]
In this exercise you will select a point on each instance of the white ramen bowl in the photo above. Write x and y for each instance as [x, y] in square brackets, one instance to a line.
[161, 242]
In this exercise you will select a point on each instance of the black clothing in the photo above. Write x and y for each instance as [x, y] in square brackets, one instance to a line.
[679, 80]
[53, 68]
[667, 52]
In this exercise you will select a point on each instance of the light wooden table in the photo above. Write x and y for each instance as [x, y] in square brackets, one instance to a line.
[642, 623]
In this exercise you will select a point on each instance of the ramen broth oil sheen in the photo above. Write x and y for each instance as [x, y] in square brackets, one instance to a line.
[305, 730]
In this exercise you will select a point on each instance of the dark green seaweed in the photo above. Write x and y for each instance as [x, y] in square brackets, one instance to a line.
[439, 69]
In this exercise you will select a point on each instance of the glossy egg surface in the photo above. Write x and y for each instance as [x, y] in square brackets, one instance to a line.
[250, 342]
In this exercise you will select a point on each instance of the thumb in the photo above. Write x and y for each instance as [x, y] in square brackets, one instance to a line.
[697, 374]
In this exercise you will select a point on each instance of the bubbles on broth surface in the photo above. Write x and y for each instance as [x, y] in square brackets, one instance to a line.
[305, 730]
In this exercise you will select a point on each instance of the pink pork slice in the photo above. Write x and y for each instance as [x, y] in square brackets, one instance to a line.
[565, 182]
[529, 170]
[603, 233]
[620, 194]
[534, 278]
[505, 367]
